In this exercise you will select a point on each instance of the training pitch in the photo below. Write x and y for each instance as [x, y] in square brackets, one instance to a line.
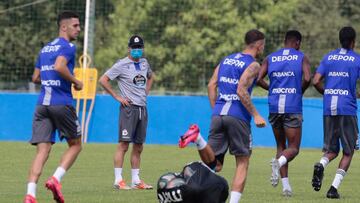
[91, 177]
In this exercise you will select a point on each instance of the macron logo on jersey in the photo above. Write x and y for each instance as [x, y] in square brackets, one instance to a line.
[234, 62]
[51, 83]
[339, 74]
[229, 97]
[48, 49]
[229, 80]
[283, 74]
[284, 91]
[336, 92]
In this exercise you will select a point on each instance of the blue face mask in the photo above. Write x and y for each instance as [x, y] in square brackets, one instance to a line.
[136, 53]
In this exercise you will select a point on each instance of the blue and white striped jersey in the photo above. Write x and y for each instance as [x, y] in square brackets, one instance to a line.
[54, 89]
[285, 74]
[230, 70]
[340, 69]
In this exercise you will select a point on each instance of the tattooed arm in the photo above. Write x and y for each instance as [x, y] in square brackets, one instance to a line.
[246, 80]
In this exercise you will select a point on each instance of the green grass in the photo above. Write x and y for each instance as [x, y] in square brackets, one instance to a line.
[91, 178]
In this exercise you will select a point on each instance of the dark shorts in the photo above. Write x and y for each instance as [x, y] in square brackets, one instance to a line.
[341, 128]
[227, 132]
[48, 119]
[133, 123]
[288, 120]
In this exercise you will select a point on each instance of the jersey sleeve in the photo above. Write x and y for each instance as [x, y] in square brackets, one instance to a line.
[68, 52]
[114, 71]
[321, 68]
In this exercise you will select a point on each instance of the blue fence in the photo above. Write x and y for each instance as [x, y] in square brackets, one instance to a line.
[169, 117]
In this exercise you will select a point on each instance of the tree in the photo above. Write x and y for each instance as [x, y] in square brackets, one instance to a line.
[184, 40]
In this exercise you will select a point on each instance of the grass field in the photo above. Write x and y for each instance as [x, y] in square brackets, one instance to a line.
[91, 178]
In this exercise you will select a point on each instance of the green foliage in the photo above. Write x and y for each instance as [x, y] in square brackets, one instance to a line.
[24, 30]
[184, 40]
[21, 38]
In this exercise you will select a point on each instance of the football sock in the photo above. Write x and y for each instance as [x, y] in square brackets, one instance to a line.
[31, 189]
[135, 176]
[118, 175]
[200, 142]
[324, 161]
[59, 173]
[282, 160]
[286, 184]
[235, 197]
[340, 173]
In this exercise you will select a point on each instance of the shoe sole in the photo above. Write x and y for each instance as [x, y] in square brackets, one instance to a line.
[317, 177]
[332, 196]
[56, 193]
[135, 188]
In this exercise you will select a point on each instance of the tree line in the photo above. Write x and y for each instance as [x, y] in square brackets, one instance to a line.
[184, 39]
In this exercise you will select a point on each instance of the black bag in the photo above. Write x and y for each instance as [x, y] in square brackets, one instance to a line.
[197, 183]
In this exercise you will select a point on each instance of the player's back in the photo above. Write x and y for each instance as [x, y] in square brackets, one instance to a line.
[230, 70]
[341, 69]
[54, 89]
[285, 74]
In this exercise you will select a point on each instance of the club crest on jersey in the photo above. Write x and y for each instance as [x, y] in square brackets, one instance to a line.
[139, 80]
[238, 56]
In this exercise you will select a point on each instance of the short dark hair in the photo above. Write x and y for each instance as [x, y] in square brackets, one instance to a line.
[293, 35]
[253, 35]
[66, 15]
[347, 35]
